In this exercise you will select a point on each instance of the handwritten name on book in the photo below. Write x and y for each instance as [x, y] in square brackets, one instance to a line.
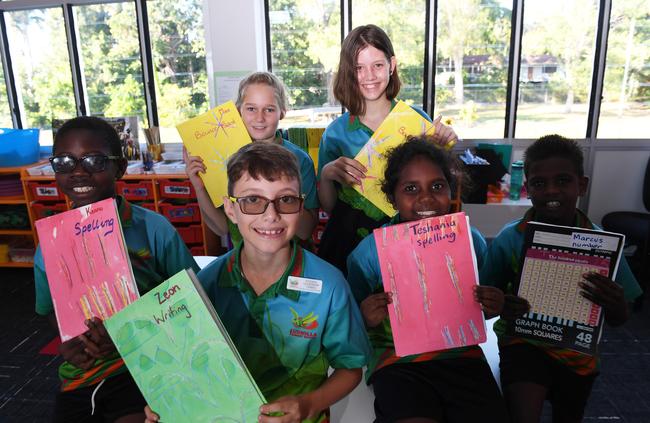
[444, 231]
[174, 309]
[94, 225]
[587, 241]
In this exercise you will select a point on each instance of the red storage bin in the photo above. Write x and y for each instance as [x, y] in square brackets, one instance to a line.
[138, 191]
[170, 188]
[197, 250]
[181, 213]
[45, 210]
[46, 191]
[191, 234]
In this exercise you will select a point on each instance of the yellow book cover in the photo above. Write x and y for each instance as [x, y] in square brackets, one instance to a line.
[314, 136]
[215, 136]
[400, 122]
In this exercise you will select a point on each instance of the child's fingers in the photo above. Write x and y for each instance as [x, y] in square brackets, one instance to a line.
[150, 415]
[353, 165]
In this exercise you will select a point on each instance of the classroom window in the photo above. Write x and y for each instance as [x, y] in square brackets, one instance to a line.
[473, 41]
[5, 113]
[625, 107]
[557, 34]
[39, 53]
[178, 51]
[305, 37]
[404, 22]
[110, 59]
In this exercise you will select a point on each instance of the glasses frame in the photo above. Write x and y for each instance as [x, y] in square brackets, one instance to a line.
[81, 160]
[300, 197]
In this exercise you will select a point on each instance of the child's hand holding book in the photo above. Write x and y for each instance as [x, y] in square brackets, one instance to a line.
[96, 341]
[603, 291]
[491, 300]
[514, 307]
[374, 309]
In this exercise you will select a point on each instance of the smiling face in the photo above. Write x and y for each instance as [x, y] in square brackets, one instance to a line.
[422, 191]
[373, 71]
[554, 187]
[268, 233]
[260, 112]
[79, 185]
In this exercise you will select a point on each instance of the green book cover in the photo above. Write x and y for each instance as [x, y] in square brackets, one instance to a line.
[181, 356]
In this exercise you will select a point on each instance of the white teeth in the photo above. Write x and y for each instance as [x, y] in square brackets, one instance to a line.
[553, 204]
[427, 213]
[82, 189]
[270, 232]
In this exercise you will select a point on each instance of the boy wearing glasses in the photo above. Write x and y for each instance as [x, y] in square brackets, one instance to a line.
[95, 384]
[289, 313]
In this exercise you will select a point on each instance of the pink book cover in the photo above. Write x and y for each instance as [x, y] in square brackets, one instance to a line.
[430, 267]
[87, 265]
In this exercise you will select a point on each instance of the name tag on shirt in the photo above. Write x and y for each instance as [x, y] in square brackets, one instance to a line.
[303, 284]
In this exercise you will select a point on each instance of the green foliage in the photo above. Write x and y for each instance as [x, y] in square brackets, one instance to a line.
[110, 57]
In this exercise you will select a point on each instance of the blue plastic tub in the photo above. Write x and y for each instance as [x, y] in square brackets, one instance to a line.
[18, 147]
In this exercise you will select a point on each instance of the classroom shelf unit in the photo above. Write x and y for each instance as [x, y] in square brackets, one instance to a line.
[170, 195]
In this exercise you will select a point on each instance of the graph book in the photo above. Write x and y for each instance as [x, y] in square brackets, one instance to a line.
[181, 356]
[429, 265]
[87, 265]
[215, 136]
[554, 258]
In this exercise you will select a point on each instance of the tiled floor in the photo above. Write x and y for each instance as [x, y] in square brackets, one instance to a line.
[28, 380]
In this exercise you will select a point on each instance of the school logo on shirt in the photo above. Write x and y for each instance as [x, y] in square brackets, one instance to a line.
[303, 327]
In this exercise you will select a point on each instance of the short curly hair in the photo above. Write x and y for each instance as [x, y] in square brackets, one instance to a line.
[418, 146]
[554, 146]
[98, 126]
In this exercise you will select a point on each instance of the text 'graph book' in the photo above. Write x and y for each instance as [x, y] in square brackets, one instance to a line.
[430, 267]
[87, 265]
[400, 122]
[215, 136]
[181, 356]
[553, 261]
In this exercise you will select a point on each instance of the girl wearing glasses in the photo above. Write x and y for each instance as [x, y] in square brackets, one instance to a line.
[289, 313]
[95, 384]
[262, 103]
[366, 84]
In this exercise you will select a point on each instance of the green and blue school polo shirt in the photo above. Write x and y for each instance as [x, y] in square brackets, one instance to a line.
[156, 252]
[307, 185]
[501, 269]
[364, 276]
[346, 136]
[288, 338]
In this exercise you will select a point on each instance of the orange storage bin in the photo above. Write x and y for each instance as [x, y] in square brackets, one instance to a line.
[46, 191]
[181, 213]
[170, 188]
[191, 234]
[45, 210]
[138, 190]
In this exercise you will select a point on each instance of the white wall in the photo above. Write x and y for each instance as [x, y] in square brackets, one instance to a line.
[617, 181]
[235, 39]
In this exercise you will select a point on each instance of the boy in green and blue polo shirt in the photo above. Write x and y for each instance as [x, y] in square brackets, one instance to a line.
[95, 384]
[289, 313]
[532, 371]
